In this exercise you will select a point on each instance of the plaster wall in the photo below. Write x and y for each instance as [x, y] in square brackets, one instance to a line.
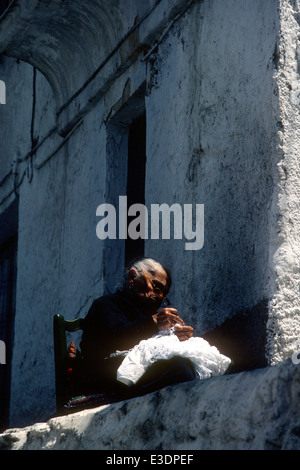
[284, 318]
[15, 119]
[211, 116]
[61, 266]
[220, 117]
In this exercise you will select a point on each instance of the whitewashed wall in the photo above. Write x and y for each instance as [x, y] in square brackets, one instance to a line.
[220, 118]
[210, 113]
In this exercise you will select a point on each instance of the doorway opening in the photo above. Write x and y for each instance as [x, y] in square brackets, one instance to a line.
[126, 173]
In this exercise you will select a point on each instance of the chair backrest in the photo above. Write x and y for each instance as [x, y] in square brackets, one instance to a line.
[60, 327]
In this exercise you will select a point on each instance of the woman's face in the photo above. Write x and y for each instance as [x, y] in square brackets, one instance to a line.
[149, 289]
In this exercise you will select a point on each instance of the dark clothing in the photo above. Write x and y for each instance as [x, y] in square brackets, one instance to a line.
[162, 373]
[115, 322]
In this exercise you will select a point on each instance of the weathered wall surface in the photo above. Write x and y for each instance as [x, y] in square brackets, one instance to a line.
[284, 318]
[15, 114]
[255, 410]
[59, 263]
[212, 102]
[222, 130]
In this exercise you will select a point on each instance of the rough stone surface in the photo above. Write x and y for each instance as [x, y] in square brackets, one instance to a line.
[284, 311]
[255, 410]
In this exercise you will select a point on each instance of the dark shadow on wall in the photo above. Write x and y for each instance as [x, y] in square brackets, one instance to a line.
[242, 338]
[125, 176]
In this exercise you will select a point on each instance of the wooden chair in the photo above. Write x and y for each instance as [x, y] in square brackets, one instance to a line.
[62, 359]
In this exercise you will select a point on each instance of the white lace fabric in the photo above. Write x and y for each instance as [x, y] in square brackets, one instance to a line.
[207, 360]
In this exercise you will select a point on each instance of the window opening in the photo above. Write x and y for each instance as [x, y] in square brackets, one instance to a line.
[125, 176]
[136, 170]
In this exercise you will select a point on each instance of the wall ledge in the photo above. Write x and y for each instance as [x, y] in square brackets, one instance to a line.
[252, 410]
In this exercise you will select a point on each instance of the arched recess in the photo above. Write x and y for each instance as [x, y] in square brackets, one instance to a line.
[65, 40]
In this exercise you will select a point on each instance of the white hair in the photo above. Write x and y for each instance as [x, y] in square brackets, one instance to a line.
[147, 265]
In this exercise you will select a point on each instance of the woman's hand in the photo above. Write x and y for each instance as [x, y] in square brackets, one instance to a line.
[183, 332]
[167, 318]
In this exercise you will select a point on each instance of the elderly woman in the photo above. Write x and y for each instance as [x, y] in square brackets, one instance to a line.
[120, 321]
